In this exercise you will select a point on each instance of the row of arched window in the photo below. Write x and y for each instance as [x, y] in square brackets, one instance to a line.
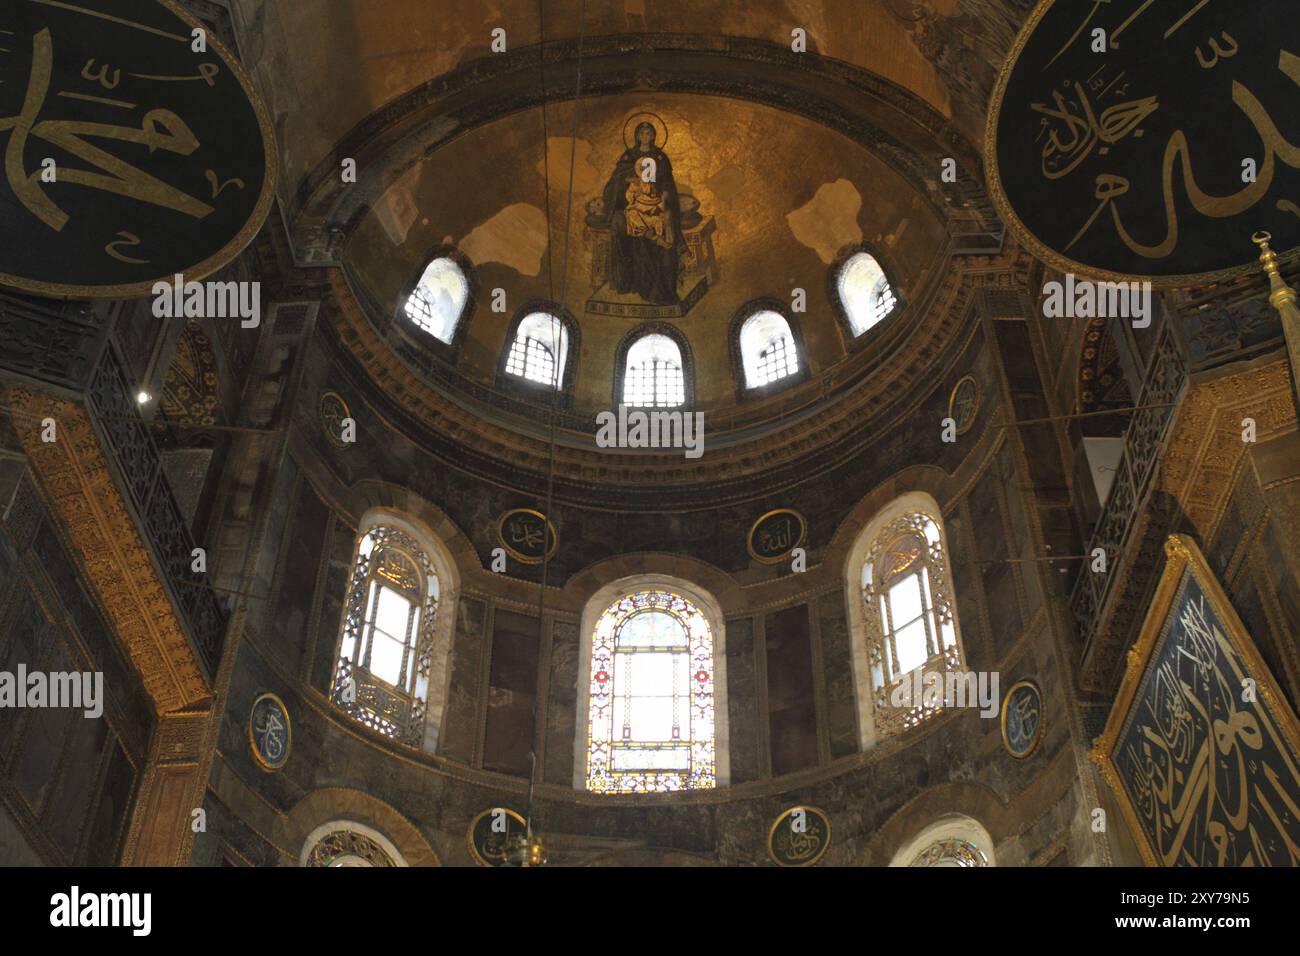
[651, 711]
[654, 368]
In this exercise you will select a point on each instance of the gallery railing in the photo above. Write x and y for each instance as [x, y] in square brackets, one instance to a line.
[1143, 441]
[70, 351]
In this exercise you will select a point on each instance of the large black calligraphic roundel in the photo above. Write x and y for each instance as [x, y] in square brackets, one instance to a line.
[129, 157]
[1159, 158]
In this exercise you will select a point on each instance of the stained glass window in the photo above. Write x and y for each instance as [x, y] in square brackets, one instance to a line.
[347, 848]
[953, 851]
[653, 377]
[651, 714]
[767, 349]
[438, 299]
[539, 350]
[865, 291]
[910, 623]
[385, 653]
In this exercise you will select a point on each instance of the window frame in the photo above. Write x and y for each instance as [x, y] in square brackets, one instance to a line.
[593, 609]
[744, 391]
[877, 718]
[423, 719]
[683, 349]
[521, 387]
[417, 337]
[857, 340]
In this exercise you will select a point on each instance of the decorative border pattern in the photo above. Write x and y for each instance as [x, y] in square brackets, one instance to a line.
[79, 482]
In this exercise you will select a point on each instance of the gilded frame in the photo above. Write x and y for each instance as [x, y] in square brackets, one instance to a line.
[1183, 557]
[518, 555]
[771, 833]
[749, 538]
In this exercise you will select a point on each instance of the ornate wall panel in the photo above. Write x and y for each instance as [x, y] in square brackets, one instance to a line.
[79, 482]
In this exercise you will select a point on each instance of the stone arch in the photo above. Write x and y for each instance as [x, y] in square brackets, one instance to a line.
[946, 802]
[319, 810]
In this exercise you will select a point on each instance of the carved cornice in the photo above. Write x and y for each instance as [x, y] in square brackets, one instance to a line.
[1206, 445]
[76, 477]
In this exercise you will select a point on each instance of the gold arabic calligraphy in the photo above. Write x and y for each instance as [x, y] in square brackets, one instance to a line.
[1213, 782]
[159, 129]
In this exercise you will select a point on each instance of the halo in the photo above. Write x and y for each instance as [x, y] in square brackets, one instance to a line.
[635, 120]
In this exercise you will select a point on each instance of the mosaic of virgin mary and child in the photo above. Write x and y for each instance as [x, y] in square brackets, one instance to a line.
[644, 210]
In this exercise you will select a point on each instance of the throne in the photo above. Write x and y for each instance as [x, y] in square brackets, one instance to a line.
[697, 268]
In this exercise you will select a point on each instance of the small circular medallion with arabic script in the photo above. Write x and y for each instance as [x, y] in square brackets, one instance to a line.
[963, 403]
[334, 417]
[775, 535]
[1022, 719]
[269, 732]
[490, 833]
[799, 837]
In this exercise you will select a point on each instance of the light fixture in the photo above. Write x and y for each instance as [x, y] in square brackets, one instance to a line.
[142, 397]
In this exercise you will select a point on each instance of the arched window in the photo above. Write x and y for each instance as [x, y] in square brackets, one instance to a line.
[539, 349]
[651, 709]
[385, 651]
[952, 841]
[653, 375]
[437, 302]
[767, 349]
[910, 647]
[344, 843]
[864, 292]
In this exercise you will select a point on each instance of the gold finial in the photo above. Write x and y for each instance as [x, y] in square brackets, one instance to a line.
[1281, 294]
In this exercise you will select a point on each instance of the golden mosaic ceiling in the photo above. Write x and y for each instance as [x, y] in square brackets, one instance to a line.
[787, 160]
[779, 195]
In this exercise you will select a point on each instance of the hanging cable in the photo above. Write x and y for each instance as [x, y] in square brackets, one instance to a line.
[559, 347]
